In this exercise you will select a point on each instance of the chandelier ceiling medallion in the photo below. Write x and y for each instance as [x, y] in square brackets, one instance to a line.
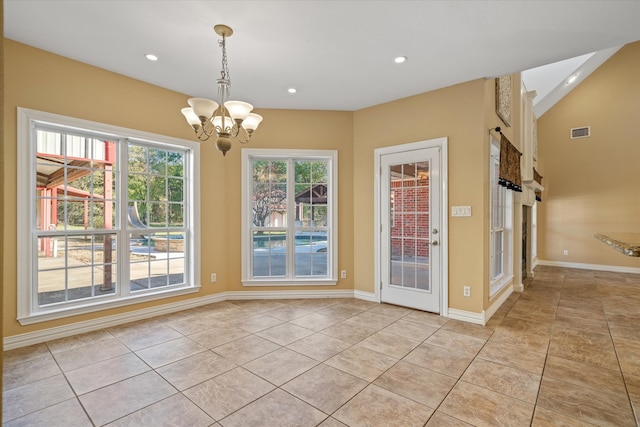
[227, 120]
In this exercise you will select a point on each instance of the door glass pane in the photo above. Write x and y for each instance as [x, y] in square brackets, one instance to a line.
[409, 221]
[422, 276]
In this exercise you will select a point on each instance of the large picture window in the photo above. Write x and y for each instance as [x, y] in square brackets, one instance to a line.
[107, 215]
[289, 217]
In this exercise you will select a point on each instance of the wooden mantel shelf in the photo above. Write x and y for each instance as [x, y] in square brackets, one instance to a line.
[626, 243]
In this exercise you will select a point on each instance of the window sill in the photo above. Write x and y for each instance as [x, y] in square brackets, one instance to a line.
[61, 313]
[499, 284]
[289, 282]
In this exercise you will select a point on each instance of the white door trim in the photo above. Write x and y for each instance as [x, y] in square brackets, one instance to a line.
[440, 143]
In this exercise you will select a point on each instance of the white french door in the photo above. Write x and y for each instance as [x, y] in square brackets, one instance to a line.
[410, 248]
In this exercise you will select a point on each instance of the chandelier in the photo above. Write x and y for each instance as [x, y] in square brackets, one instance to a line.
[227, 120]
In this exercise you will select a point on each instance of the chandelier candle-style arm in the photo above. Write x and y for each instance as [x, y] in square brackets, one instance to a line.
[226, 120]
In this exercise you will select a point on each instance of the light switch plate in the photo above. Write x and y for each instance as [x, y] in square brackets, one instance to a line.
[460, 210]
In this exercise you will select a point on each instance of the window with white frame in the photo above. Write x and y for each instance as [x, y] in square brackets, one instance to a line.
[107, 216]
[534, 233]
[289, 217]
[500, 230]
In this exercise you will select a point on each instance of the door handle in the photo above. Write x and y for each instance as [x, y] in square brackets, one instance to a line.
[434, 243]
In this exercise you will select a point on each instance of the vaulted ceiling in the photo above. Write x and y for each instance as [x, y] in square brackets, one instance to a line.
[339, 55]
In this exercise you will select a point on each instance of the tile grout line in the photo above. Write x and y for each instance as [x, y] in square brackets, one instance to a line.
[76, 397]
[276, 387]
[615, 349]
[370, 309]
[546, 356]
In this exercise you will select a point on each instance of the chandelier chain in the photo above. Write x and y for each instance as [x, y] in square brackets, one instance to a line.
[225, 66]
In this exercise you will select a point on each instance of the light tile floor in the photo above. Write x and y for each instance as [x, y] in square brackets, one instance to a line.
[566, 351]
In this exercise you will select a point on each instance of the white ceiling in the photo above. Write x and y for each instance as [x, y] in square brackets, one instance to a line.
[551, 82]
[338, 54]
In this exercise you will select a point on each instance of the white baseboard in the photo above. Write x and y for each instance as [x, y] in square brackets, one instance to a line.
[367, 296]
[37, 337]
[468, 316]
[583, 266]
[498, 303]
[246, 295]
[485, 315]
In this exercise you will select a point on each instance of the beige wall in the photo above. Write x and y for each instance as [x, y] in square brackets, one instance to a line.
[43, 81]
[324, 130]
[592, 184]
[463, 113]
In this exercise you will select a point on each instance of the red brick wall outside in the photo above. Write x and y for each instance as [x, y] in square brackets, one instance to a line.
[410, 218]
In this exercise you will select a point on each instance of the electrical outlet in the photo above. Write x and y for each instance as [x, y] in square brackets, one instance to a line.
[467, 291]
[214, 277]
[343, 274]
[566, 252]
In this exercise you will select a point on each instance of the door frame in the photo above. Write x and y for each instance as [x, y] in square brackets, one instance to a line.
[441, 144]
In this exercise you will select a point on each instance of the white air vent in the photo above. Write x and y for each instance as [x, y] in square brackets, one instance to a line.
[582, 132]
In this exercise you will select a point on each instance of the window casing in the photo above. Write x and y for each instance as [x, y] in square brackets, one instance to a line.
[534, 232]
[289, 217]
[500, 227]
[107, 216]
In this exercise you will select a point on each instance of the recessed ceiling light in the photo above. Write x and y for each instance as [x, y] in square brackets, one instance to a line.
[572, 79]
[151, 57]
[400, 59]
[292, 90]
